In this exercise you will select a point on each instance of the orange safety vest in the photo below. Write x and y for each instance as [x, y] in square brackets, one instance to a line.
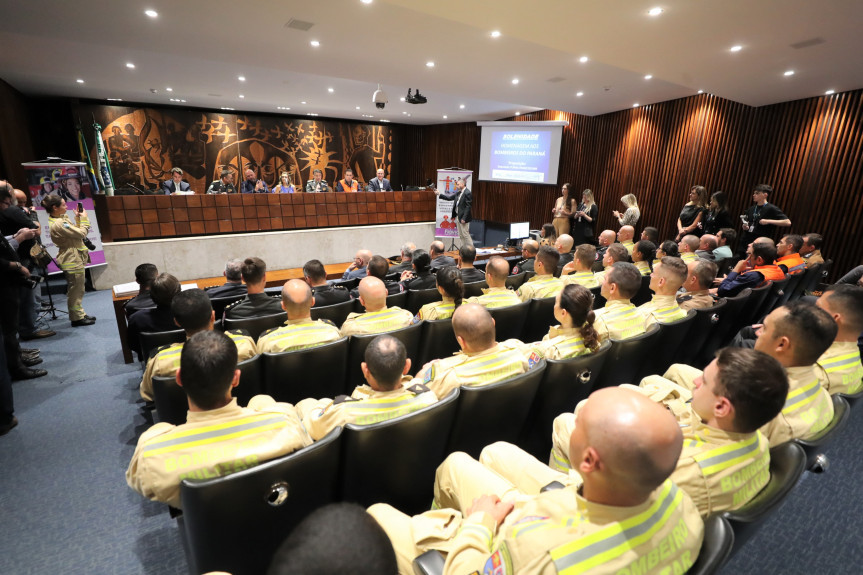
[345, 186]
[793, 262]
[771, 272]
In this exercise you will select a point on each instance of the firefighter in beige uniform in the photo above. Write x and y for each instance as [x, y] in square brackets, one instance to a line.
[619, 519]
[619, 319]
[378, 318]
[666, 279]
[219, 437]
[497, 294]
[300, 331]
[575, 335]
[581, 265]
[451, 288]
[384, 398]
[725, 459]
[194, 313]
[841, 361]
[699, 279]
[543, 284]
[73, 255]
[481, 360]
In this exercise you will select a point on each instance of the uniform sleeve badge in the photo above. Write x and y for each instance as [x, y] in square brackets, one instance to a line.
[533, 359]
[499, 563]
[429, 374]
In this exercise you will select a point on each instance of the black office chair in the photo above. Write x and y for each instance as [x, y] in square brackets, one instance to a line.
[794, 281]
[514, 282]
[251, 380]
[749, 313]
[626, 357]
[317, 372]
[787, 464]
[817, 462]
[419, 297]
[336, 313]
[715, 547]
[474, 289]
[235, 523]
[397, 300]
[810, 280]
[564, 384]
[726, 265]
[723, 332]
[410, 336]
[437, 340]
[220, 303]
[509, 321]
[493, 412]
[777, 290]
[347, 284]
[540, 317]
[706, 320]
[598, 299]
[851, 398]
[256, 325]
[644, 294]
[673, 337]
[151, 341]
[395, 461]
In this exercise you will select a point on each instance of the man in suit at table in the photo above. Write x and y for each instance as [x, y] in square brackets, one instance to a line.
[461, 211]
[380, 183]
[176, 183]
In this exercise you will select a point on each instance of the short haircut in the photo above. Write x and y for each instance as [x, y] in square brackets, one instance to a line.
[207, 365]
[765, 251]
[336, 538]
[674, 270]
[652, 234]
[407, 251]
[349, 171]
[314, 270]
[145, 274]
[847, 299]
[729, 234]
[253, 270]
[627, 278]
[421, 260]
[549, 257]
[385, 358]
[814, 240]
[192, 309]
[692, 242]
[316, 171]
[225, 174]
[474, 324]
[810, 328]
[711, 242]
[467, 253]
[378, 267]
[754, 383]
[669, 248]
[164, 288]
[618, 253]
[705, 272]
[763, 188]
[234, 270]
[497, 268]
[530, 246]
[795, 241]
[176, 170]
[585, 254]
[437, 247]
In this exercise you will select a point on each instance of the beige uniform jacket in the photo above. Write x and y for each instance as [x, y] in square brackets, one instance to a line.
[642, 266]
[298, 334]
[629, 245]
[500, 362]
[496, 297]
[661, 309]
[73, 255]
[619, 319]
[814, 258]
[320, 416]
[695, 300]
[539, 287]
[212, 444]
[841, 361]
[688, 257]
[381, 321]
[586, 279]
[808, 408]
[167, 360]
[437, 309]
[561, 343]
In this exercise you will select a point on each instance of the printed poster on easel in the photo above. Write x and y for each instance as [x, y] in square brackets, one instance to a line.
[445, 227]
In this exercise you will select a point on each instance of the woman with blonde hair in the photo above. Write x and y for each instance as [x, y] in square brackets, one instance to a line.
[632, 213]
[284, 186]
[582, 220]
[563, 208]
[692, 213]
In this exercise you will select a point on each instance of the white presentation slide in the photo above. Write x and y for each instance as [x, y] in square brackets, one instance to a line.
[523, 152]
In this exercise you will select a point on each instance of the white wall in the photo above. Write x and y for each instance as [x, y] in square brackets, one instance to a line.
[205, 256]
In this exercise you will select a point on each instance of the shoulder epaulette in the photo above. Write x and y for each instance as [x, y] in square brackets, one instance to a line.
[343, 399]
[328, 322]
[418, 388]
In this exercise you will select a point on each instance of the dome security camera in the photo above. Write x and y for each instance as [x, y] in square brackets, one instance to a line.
[379, 98]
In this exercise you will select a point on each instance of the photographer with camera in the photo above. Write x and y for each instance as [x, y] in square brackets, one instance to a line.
[69, 238]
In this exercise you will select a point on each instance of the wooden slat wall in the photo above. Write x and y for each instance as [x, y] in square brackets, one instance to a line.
[810, 151]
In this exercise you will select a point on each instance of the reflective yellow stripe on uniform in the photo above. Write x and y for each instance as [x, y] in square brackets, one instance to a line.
[215, 433]
[611, 542]
[721, 458]
[374, 410]
[802, 397]
[668, 314]
[586, 279]
[300, 335]
[546, 287]
[484, 368]
[643, 268]
[842, 362]
[383, 319]
[627, 320]
[498, 299]
[571, 347]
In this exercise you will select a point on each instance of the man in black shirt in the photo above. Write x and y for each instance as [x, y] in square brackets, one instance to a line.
[420, 277]
[324, 293]
[257, 303]
[233, 285]
[438, 258]
[529, 249]
[159, 318]
[466, 257]
[763, 218]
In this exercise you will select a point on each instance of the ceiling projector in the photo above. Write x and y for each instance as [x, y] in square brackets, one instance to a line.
[416, 98]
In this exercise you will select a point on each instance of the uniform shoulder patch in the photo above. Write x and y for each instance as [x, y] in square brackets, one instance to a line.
[534, 358]
[242, 332]
[263, 333]
[418, 389]
[428, 375]
[499, 563]
[328, 322]
[343, 399]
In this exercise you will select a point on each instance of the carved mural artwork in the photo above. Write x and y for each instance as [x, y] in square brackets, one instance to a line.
[143, 145]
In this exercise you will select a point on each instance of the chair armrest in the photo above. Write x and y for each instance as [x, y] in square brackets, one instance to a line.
[429, 563]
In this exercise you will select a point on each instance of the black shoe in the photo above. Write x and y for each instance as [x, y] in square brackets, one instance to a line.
[90, 317]
[82, 322]
[39, 334]
[30, 361]
[7, 427]
[31, 352]
[27, 373]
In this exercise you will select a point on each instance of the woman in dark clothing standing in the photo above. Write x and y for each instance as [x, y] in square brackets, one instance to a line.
[692, 213]
[583, 218]
[717, 216]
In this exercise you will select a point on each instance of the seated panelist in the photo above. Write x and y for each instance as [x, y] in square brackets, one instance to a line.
[175, 185]
[348, 183]
[317, 183]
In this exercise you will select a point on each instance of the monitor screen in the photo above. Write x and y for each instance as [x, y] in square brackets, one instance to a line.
[519, 230]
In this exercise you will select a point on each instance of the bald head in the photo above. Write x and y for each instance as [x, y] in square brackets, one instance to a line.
[708, 243]
[564, 243]
[473, 327]
[373, 293]
[496, 271]
[20, 198]
[636, 440]
[606, 238]
[364, 255]
[297, 299]
[530, 247]
[436, 248]
[626, 233]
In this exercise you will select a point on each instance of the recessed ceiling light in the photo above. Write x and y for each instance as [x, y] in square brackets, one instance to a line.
[311, 114]
[183, 101]
[115, 99]
[648, 77]
[169, 89]
[80, 81]
[402, 99]
[330, 90]
[461, 107]
[701, 91]
[583, 59]
[735, 49]
[518, 113]
[302, 103]
[130, 65]
[358, 107]
[241, 96]
[226, 108]
[444, 117]
[579, 94]
[405, 113]
[495, 34]
[430, 64]
[315, 43]
[655, 11]
[635, 105]
[282, 108]
[789, 72]
[366, 1]
[515, 81]
[241, 78]
[151, 13]
[829, 92]
[387, 121]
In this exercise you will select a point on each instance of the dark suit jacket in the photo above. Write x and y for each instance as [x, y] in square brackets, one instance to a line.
[460, 209]
[399, 268]
[378, 186]
[329, 295]
[525, 265]
[139, 302]
[150, 320]
[471, 275]
[423, 280]
[255, 305]
[227, 289]
[169, 188]
[441, 262]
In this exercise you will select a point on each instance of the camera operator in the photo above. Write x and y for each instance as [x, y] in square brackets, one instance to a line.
[12, 276]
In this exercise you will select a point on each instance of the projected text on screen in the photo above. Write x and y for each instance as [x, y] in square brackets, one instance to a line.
[521, 156]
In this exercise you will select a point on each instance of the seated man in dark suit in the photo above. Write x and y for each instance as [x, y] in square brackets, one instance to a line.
[325, 294]
[407, 254]
[159, 318]
[438, 258]
[529, 249]
[379, 183]
[257, 303]
[466, 257]
[176, 183]
[233, 285]
[420, 277]
[144, 275]
[379, 268]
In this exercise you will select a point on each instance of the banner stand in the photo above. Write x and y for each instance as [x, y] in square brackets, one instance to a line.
[444, 227]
